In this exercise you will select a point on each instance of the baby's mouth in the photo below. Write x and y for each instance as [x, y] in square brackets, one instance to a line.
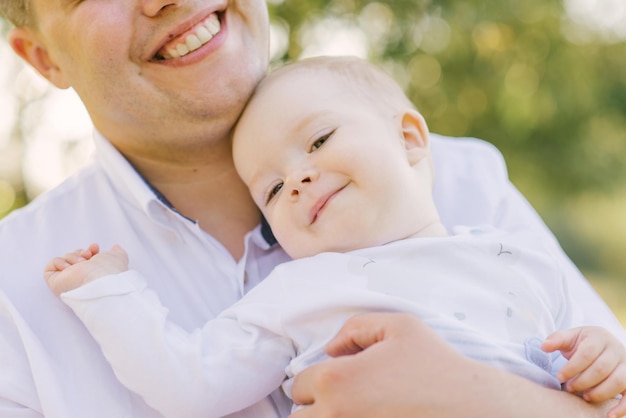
[191, 40]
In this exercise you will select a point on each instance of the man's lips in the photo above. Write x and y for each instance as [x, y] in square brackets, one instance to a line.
[321, 203]
[192, 39]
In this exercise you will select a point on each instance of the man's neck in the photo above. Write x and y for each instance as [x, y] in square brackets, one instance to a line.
[209, 191]
[220, 204]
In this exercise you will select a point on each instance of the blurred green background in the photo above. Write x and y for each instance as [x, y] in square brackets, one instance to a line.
[543, 80]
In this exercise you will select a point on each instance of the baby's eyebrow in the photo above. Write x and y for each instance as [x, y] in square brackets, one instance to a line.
[301, 124]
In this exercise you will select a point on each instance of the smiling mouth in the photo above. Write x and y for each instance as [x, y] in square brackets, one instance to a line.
[197, 36]
[320, 205]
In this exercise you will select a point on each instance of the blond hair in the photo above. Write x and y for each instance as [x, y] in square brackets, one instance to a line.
[364, 78]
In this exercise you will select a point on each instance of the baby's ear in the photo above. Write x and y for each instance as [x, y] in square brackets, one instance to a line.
[415, 135]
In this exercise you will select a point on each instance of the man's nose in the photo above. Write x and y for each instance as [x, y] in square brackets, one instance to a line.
[152, 8]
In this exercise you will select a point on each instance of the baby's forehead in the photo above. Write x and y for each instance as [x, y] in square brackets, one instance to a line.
[287, 96]
[293, 82]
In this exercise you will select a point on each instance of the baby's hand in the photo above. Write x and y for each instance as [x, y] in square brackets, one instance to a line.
[74, 269]
[596, 366]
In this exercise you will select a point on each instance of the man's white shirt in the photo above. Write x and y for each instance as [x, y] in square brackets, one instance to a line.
[50, 364]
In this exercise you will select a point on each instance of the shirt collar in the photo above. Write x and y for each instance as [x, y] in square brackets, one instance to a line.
[137, 190]
[130, 184]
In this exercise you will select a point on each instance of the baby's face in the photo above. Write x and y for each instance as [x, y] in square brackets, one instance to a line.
[326, 168]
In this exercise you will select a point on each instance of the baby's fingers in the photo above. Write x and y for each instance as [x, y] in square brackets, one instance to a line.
[604, 379]
[585, 368]
[55, 265]
[61, 263]
[76, 256]
[562, 340]
[90, 251]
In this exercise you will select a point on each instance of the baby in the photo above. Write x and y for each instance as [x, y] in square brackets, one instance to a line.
[338, 161]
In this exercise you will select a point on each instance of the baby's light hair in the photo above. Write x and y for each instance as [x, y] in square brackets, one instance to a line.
[364, 78]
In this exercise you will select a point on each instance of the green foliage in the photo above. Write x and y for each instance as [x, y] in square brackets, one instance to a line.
[499, 70]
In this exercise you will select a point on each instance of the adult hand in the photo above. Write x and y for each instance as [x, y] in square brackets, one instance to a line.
[393, 365]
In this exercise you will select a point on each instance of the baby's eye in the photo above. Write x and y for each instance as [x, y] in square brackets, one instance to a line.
[274, 192]
[320, 141]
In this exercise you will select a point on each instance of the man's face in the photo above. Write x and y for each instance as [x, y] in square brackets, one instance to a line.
[157, 76]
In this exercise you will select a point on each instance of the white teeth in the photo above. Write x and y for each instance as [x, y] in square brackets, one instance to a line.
[182, 49]
[213, 24]
[173, 53]
[203, 34]
[193, 42]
